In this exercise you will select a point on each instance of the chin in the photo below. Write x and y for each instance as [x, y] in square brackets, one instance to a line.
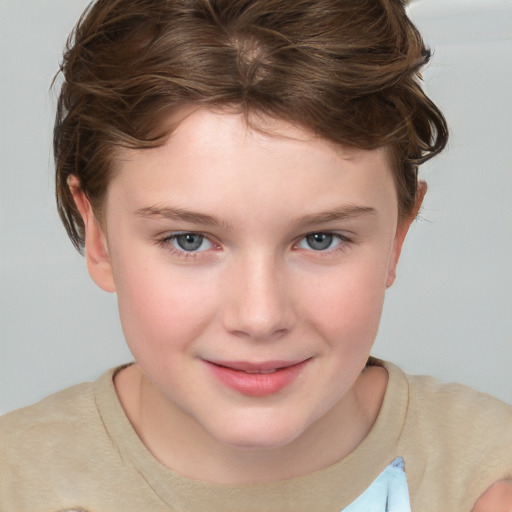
[258, 436]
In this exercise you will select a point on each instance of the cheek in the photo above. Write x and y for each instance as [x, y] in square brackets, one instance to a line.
[347, 305]
[161, 306]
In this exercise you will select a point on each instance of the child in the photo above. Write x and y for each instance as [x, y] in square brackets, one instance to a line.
[243, 174]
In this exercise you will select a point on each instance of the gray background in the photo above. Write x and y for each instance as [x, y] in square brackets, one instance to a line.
[450, 312]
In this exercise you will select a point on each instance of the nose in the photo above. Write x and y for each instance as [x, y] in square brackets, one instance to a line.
[259, 303]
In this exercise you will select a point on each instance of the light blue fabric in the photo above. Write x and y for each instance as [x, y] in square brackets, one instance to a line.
[389, 492]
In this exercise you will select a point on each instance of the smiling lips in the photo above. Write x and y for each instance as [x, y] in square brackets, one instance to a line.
[257, 379]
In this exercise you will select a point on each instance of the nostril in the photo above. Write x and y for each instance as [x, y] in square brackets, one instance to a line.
[259, 334]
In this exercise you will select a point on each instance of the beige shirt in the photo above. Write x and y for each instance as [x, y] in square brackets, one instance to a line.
[76, 450]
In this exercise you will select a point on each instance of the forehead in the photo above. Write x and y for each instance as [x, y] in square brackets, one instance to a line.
[212, 154]
[200, 122]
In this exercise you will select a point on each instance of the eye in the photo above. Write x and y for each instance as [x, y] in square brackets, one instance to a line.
[190, 242]
[320, 241]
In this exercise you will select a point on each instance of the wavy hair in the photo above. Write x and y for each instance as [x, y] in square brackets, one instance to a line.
[345, 70]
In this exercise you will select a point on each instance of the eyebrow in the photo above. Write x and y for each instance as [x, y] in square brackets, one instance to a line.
[341, 213]
[181, 214]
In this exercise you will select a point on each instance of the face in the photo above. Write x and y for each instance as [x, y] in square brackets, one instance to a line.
[250, 268]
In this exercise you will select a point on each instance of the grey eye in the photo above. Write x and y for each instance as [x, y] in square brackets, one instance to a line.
[319, 241]
[189, 241]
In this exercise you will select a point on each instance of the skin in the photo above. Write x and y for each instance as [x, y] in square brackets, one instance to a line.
[498, 498]
[255, 290]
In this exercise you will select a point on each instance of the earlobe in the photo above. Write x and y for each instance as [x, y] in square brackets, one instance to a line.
[401, 232]
[96, 249]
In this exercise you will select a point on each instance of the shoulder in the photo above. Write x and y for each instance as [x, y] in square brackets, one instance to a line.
[459, 441]
[457, 409]
[458, 425]
[448, 408]
[61, 408]
[31, 437]
[53, 446]
[59, 426]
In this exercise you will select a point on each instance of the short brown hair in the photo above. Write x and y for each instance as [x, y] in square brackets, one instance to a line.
[346, 70]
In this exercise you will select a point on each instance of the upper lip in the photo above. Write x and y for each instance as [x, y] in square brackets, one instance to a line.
[249, 366]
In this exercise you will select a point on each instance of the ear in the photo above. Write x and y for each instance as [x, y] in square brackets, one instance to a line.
[401, 231]
[96, 248]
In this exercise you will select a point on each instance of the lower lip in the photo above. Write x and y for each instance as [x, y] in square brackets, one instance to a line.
[257, 384]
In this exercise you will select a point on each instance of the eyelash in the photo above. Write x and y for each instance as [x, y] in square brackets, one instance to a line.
[343, 243]
[166, 243]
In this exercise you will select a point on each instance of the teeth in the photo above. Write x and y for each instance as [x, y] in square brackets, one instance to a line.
[273, 370]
